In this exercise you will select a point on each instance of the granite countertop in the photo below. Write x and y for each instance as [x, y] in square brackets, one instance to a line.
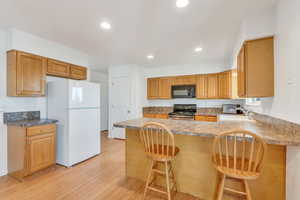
[211, 129]
[30, 123]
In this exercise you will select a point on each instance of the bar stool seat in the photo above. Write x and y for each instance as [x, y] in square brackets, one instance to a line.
[239, 155]
[160, 147]
[161, 152]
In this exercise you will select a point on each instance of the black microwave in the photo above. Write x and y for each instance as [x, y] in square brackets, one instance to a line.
[183, 91]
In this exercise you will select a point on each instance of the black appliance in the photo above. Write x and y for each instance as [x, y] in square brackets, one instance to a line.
[183, 111]
[183, 91]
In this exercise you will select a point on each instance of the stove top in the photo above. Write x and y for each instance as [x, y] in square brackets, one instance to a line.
[183, 111]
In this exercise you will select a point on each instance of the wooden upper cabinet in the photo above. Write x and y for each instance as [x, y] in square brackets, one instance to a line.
[164, 87]
[185, 80]
[256, 68]
[78, 73]
[241, 73]
[225, 85]
[58, 68]
[26, 74]
[212, 86]
[201, 86]
[153, 88]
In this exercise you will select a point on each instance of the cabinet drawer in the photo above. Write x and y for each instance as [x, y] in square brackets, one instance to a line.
[148, 115]
[36, 130]
[206, 118]
[77, 72]
[162, 116]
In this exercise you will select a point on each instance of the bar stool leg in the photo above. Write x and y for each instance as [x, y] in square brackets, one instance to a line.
[168, 180]
[221, 187]
[173, 176]
[247, 190]
[148, 179]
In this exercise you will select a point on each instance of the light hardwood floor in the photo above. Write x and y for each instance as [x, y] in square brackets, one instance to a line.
[102, 177]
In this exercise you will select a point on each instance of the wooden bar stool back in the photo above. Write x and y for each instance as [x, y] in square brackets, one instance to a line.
[160, 147]
[238, 155]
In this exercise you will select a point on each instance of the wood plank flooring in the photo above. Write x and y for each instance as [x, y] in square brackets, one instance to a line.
[100, 178]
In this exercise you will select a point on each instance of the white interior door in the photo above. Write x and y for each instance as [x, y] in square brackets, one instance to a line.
[120, 104]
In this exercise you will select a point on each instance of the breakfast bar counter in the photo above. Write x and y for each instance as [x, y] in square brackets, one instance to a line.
[193, 168]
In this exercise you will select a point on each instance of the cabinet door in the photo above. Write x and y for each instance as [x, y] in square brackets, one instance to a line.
[225, 85]
[213, 86]
[202, 87]
[78, 73]
[153, 88]
[31, 75]
[164, 88]
[58, 68]
[241, 73]
[185, 80]
[41, 151]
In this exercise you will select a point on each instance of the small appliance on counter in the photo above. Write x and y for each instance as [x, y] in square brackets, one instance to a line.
[183, 111]
[232, 109]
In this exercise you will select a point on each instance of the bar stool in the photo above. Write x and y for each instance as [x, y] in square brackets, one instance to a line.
[160, 147]
[238, 155]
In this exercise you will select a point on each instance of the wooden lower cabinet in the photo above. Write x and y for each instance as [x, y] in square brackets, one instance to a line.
[160, 116]
[40, 152]
[206, 118]
[30, 149]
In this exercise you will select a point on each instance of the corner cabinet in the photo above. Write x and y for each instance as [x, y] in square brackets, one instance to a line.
[256, 68]
[26, 74]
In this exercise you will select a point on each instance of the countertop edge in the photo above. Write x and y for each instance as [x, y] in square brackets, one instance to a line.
[211, 135]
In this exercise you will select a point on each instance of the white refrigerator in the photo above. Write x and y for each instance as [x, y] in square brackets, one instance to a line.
[76, 104]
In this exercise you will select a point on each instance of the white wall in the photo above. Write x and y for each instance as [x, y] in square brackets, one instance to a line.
[102, 78]
[14, 39]
[285, 104]
[283, 21]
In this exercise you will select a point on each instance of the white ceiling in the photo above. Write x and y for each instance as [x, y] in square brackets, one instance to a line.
[139, 27]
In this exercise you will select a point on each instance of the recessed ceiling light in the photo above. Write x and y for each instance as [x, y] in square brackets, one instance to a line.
[150, 57]
[198, 49]
[105, 25]
[182, 3]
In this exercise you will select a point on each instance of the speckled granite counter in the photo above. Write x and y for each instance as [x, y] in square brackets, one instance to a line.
[193, 166]
[211, 129]
[26, 119]
[30, 123]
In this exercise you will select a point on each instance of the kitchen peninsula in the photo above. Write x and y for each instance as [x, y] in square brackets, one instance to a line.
[193, 168]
